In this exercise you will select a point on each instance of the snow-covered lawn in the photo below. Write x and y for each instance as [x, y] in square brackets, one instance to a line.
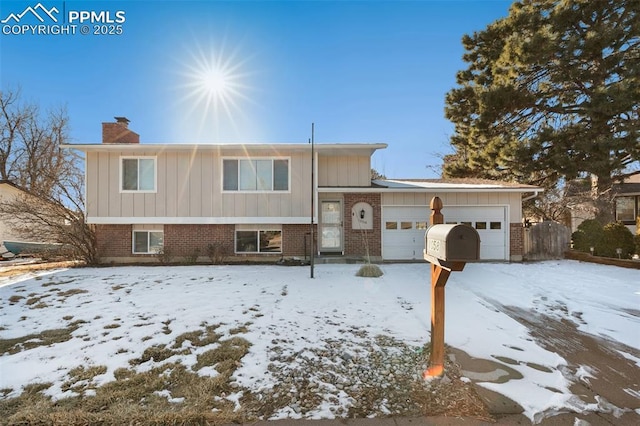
[119, 312]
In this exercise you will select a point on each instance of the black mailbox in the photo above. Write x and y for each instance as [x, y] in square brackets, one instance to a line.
[451, 243]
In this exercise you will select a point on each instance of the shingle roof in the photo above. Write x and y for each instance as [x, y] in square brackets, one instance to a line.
[461, 183]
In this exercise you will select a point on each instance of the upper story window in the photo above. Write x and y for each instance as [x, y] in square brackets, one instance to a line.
[138, 174]
[626, 209]
[271, 174]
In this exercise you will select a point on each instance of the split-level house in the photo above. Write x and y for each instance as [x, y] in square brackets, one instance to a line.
[258, 201]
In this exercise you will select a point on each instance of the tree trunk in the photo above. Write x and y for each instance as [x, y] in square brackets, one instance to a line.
[602, 193]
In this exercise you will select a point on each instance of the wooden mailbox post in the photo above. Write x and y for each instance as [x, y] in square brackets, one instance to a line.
[448, 248]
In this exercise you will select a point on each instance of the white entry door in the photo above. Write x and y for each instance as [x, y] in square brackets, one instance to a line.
[331, 226]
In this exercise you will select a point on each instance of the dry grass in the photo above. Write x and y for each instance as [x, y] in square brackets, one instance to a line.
[225, 356]
[154, 353]
[15, 299]
[30, 341]
[204, 337]
[72, 292]
[81, 377]
[168, 394]
[449, 396]
[240, 329]
[111, 326]
[33, 300]
[10, 271]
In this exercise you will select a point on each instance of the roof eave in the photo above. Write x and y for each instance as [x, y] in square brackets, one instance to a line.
[319, 147]
[334, 189]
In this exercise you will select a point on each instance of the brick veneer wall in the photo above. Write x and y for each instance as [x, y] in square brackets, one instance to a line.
[183, 240]
[294, 238]
[353, 238]
[113, 240]
[517, 240]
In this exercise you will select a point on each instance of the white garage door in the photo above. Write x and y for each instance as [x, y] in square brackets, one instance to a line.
[403, 230]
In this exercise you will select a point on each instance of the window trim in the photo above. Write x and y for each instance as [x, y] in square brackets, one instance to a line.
[258, 231]
[155, 174]
[148, 231]
[256, 191]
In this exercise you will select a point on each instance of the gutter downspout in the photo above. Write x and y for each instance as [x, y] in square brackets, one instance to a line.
[531, 197]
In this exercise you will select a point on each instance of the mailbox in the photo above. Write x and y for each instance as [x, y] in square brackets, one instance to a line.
[451, 243]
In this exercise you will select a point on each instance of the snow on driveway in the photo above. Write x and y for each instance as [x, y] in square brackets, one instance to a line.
[121, 311]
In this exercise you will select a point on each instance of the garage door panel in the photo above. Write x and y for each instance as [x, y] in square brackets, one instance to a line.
[407, 244]
[403, 236]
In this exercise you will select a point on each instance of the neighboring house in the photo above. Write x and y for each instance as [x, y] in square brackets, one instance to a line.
[627, 202]
[626, 205]
[8, 226]
[255, 200]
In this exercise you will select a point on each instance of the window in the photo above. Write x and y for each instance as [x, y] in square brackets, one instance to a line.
[625, 209]
[391, 225]
[406, 225]
[481, 225]
[138, 174]
[259, 241]
[495, 225]
[421, 225]
[145, 242]
[255, 175]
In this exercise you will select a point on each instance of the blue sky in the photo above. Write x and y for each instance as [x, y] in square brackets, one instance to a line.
[248, 71]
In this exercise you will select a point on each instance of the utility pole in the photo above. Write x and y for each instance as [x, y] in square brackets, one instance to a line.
[312, 199]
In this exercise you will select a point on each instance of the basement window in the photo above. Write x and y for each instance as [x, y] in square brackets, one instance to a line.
[148, 242]
[258, 241]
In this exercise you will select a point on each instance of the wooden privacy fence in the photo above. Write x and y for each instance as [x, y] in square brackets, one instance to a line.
[546, 240]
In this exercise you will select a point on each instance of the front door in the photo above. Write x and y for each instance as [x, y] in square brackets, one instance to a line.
[331, 226]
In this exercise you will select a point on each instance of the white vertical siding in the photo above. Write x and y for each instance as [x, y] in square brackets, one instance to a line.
[336, 171]
[189, 185]
[511, 199]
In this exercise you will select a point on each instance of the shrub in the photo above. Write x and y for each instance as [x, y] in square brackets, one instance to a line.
[165, 255]
[369, 270]
[192, 257]
[617, 235]
[589, 234]
[216, 253]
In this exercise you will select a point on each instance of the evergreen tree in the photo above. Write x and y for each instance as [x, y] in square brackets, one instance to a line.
[551, 94]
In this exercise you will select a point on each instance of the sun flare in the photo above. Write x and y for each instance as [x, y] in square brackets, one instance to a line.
[214, 88]
[215, 82]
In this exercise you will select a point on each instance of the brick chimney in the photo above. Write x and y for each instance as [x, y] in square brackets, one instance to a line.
[119, 132]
